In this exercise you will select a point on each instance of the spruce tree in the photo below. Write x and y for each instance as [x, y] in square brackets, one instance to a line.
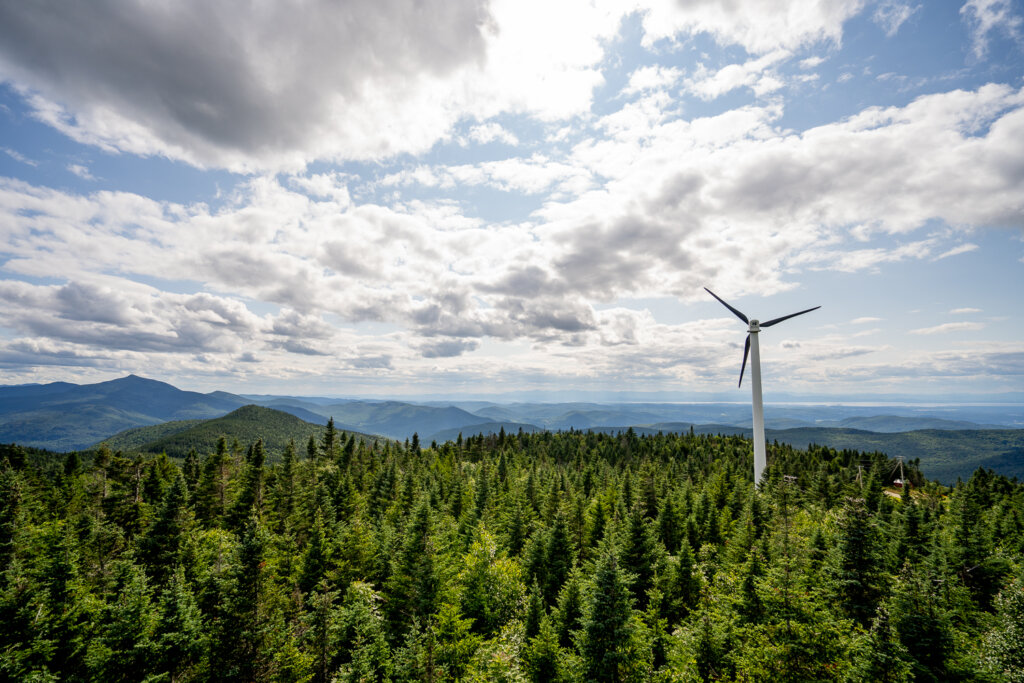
[856, 569]
[534, 611]
[879, 655]
[641, 555]
[167, 535]
[250, 493]
[180, 637]
[241, 618]
[212, 490]
[607, 632]
[543, 655]
[316, 560]
[363, 636]
[329, 441]
[558, 554]
[413, 588]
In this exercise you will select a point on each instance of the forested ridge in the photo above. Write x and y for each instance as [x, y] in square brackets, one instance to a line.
[530, 557]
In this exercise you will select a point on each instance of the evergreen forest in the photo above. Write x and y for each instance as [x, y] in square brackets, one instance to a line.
[571, 556]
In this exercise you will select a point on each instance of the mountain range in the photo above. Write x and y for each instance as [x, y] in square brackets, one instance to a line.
[948, 438]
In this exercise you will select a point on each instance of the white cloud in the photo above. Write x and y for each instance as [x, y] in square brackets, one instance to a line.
[949, 327]
[653, 77]
[755, 74]
[760, 27]
[957, 250]
[861, 321]
[985, 16]
[489, 132]
[891, 14]
[961, 311]
[19, 157]
[372, 80]
[81, 171]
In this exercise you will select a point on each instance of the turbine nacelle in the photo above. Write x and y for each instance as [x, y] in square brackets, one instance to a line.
[754, 326]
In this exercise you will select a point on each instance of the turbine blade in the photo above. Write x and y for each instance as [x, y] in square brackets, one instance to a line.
[746, 350]
[787, 317]
[738, 314]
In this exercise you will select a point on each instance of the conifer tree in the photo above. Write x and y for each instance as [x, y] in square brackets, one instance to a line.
[363, 637]
[122, 650]
[212, 490]
[329, 441]
[558, 554]
[413, 588]
[180, 637]
[316, 560]
[190, 469]
[455, 643]
[922, 624]
[285, 483]
[240, 622]
[749, 605]
[879, 655]
[543, 655]
[670, 523]
[250, 493]
[856, 570]
[641, 556]
[166, 536]
[534, 611]
[607, 633]
[681, 587]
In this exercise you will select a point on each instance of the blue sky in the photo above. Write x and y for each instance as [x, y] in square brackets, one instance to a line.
[396, 198]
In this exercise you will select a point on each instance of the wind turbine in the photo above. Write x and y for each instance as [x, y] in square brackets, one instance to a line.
[751, 348]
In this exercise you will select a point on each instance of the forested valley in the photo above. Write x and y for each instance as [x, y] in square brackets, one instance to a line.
[526, 557]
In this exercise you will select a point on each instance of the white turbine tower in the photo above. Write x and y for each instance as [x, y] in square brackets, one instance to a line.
[751, 348]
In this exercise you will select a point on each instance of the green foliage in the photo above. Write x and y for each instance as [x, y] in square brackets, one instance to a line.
[1004, 643]
[545, 557]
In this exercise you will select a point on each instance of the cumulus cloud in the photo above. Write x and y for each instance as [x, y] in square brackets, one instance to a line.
[759, 27]
[447, 348]
[489, 132]
[81, 171]
[652, 77]
[223, 85]
[756, 74]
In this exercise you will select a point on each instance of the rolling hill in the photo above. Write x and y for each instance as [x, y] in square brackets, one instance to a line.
[62, 416]
[247, 424]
